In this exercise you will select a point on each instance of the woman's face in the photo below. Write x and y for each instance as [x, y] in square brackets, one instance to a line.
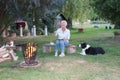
[63, 24]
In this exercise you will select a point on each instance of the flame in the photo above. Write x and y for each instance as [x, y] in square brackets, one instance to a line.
[30, 50]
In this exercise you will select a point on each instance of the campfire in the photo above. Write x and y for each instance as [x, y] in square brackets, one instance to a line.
[29, 55]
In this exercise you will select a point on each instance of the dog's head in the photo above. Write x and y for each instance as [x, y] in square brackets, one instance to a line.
[83, 45]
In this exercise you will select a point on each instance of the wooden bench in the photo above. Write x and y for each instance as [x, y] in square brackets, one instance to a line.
[7, 54]
[70, 48]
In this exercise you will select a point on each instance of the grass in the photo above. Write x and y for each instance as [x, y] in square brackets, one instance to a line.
[72, 66]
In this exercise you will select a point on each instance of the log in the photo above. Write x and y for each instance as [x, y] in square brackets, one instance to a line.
[71, 49]
[7, 55]
[46, 49]
[4, 59]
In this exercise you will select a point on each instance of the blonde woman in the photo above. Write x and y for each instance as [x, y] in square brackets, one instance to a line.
[63, 36]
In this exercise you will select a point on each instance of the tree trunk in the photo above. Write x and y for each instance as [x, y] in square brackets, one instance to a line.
[69, 22]
[2, 29]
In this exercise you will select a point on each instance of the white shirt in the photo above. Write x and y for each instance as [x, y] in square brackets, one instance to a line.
[61, 35]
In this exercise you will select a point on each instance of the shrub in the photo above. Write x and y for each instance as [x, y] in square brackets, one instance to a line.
[116, 32]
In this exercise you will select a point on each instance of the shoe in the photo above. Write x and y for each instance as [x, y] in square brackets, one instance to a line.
[62, 55]
[56, 54]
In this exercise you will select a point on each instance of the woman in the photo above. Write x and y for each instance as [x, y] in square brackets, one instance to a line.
[63, 36]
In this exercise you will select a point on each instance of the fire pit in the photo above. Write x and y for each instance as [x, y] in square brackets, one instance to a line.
[29, 55]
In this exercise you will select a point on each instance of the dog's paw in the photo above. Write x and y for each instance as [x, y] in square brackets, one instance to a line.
[79, 45]
[82, 54]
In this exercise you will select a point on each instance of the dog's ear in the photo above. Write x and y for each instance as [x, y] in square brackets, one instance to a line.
[83, 45]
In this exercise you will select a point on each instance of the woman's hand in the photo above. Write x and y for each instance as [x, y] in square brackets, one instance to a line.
[65, 38]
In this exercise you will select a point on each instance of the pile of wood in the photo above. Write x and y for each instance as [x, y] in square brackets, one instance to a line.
[7, 54]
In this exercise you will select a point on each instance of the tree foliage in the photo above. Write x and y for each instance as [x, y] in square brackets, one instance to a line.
[43, 12]
[108, 10]
[35, 12]
[5, 18]
[79, 10]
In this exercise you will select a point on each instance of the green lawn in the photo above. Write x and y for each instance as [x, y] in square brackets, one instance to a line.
[72, 66]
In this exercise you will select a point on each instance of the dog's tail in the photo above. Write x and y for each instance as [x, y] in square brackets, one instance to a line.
[102, 51]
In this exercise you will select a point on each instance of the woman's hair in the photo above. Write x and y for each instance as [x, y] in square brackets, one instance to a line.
[64, 21]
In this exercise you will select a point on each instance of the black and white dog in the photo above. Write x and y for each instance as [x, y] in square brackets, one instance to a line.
[88, 50]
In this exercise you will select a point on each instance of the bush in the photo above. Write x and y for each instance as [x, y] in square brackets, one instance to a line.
[40, 31]
[26, 31]
[12, 31]
[116, 32]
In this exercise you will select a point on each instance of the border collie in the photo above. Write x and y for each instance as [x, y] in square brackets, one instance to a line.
[88, 50]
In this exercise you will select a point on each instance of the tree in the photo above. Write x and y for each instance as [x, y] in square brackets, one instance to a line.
[49, 10]
[39, 12]
[108, 10]
[78, 10]
[34, 12]
[5, 18]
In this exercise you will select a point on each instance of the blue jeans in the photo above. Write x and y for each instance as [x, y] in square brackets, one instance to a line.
[61, 44]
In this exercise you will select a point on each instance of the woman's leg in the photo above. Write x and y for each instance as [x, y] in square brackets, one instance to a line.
[62, 46]
[57, 47]
[66, 42]
[63, 43]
